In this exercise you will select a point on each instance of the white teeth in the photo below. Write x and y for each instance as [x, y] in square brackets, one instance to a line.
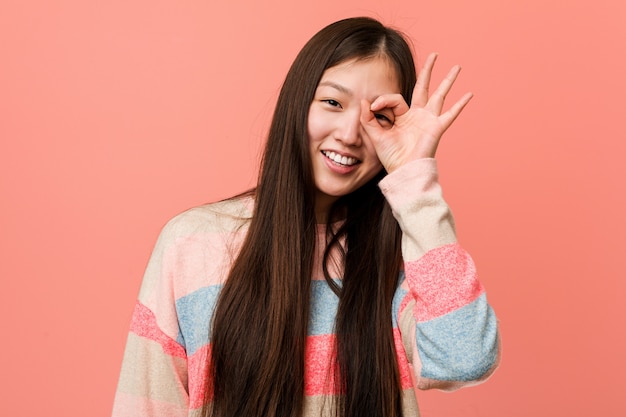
[343, 160]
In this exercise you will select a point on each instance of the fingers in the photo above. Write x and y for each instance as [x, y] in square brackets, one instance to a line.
[448, 117]
[374, 127]
[395, 102]
[435, 103]
[420, 92]
[368, 119]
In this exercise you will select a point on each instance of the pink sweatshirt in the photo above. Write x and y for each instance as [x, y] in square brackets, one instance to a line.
[445, 332]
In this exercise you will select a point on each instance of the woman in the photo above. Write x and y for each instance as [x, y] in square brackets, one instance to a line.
[336, 287]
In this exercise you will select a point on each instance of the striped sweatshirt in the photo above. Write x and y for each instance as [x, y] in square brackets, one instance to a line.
[445, 332]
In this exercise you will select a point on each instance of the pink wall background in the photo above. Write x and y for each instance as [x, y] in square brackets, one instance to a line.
[114, 116]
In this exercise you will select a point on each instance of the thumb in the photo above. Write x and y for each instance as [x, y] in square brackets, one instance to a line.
[369, 122]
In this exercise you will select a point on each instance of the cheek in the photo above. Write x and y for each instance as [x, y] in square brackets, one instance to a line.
[375, 168]
[372, 165]
[313, 136]
[372, 156]
[314, 126]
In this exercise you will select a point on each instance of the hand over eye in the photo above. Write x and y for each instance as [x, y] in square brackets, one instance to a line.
[417, 129]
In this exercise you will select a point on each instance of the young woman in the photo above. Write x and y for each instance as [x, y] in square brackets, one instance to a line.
[336, 286]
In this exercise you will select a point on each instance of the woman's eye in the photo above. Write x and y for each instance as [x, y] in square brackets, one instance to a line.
[332, 102]
[383, 120]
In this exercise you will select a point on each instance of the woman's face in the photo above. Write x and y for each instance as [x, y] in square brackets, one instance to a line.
[343, 157]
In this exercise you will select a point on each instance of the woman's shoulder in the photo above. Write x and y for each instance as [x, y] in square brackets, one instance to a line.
[226, 216]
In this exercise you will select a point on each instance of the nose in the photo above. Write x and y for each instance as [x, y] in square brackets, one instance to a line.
[349, 130]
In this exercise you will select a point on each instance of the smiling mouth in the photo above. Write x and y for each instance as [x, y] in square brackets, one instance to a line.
[345, 161]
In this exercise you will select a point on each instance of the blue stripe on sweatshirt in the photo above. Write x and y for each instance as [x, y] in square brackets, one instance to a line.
[460, 345]
[324, 304]
[195, 312]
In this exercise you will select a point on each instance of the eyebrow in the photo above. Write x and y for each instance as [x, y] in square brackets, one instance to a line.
[336, 86]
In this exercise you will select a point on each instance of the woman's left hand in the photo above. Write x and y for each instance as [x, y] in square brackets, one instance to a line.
[417, 129]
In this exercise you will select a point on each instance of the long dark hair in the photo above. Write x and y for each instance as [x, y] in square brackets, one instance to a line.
[259, 329]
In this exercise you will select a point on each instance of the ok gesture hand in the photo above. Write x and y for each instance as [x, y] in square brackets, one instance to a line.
[417, 129]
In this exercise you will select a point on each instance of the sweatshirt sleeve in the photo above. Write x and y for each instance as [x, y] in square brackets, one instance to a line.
[448, 329]
[153, 378]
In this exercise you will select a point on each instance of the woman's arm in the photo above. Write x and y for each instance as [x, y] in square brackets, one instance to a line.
[448, 329]
[153, 379]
